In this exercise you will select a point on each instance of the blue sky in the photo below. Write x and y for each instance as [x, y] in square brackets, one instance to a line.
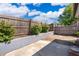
[43, 12]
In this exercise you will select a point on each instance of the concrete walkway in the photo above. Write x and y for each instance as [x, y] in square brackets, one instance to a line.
[21, 42]
[35, 47]
[66, 38]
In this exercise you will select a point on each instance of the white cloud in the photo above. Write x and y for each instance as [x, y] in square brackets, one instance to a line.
[23, 4]
[9, 9]
[38, 18]
[34, 12]
[46, 17]
[55, 14]
[36, 4]
[61, 10]
[61, 4]
[51, 14]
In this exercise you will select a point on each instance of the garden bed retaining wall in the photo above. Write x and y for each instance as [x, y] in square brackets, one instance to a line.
[21, 42]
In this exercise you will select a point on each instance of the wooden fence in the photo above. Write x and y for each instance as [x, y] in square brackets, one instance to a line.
[21, 26]
[66, 30]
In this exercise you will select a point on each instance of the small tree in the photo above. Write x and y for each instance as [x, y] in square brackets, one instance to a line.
[67, 17]
[45, 28]
[77, 33]
[36, 29]
[6, 32]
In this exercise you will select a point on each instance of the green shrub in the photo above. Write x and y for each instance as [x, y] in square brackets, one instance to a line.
[36, 29]
[6, 32]
[45, 28]
[77, 33]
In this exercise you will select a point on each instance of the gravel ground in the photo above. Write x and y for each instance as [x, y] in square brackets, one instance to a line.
[21, 42]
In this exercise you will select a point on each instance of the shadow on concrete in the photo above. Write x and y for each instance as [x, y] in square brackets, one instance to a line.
[55, 48]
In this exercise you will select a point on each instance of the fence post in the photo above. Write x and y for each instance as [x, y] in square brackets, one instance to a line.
[29, 27]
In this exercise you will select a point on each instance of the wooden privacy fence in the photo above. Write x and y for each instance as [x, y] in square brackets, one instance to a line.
[66, 30]
[21, 26]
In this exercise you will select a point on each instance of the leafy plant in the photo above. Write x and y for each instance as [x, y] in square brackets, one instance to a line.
[6, 32]
[77, 33]
[67, 17]
[45, 28]
[36, 29]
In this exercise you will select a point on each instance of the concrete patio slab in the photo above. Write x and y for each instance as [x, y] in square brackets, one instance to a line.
[55, 49]
[35, 47]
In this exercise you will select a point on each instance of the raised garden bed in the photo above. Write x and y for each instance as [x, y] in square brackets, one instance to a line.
[21, 42]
